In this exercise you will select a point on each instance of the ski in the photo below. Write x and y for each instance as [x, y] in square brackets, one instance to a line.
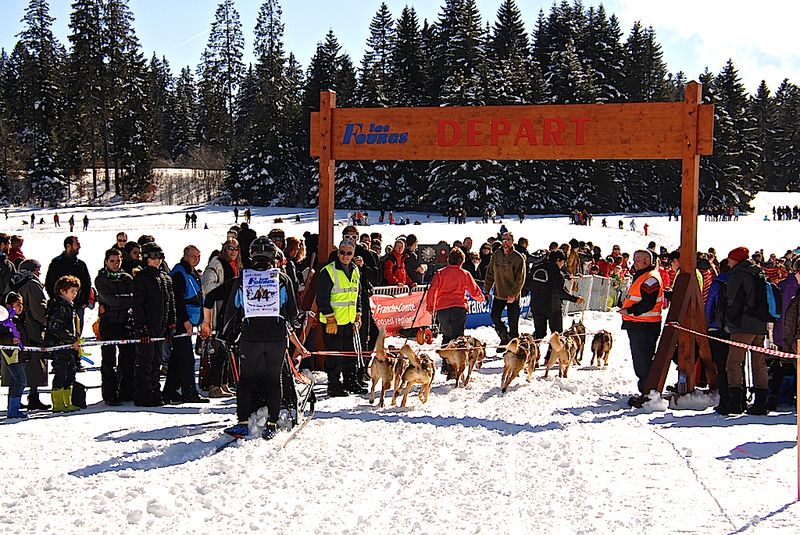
[225, 444]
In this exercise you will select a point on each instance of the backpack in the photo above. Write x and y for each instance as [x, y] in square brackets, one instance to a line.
[768, 302]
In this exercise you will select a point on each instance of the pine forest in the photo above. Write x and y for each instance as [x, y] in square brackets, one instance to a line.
[95, 105]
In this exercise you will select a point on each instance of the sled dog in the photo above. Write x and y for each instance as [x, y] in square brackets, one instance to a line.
[522, 352]
[420, 370]
[386, 367]
[562, 351]
[601, 347]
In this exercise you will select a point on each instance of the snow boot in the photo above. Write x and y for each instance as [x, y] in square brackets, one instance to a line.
[734, 405]
[270, 431]
[57, 399]
[35, 404]
[13, 408]
[240, 430]
[759, 406]
[68, 406]
[723, 399]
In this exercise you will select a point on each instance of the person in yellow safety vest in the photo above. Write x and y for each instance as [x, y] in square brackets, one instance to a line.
[339, 303]
[641, 315]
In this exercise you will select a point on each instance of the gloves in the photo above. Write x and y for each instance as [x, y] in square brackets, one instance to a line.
[330, 325]
[144, 335]
[357, 322]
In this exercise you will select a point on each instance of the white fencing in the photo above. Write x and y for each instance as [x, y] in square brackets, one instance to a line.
[598, 293]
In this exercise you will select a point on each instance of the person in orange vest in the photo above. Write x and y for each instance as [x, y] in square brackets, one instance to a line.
[641, 314]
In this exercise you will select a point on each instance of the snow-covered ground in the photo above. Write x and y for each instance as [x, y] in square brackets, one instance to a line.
[552, 456]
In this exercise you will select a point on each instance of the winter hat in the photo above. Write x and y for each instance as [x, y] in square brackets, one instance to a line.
[739, 254]
[29, 265]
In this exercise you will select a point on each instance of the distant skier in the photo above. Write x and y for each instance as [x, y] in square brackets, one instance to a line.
[236, 214]
[33, 219]
[56, 220]
[71, 223]
[645, 227]
[194, 220]
[188, 220]
[85, 222]
[633, 225]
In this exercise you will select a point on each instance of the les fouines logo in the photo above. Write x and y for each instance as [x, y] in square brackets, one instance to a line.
[377, 134]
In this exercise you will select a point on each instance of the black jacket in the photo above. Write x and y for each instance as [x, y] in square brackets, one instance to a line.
[412, 263]
[115, 293]
[547, 289]
[741, 295]
[69, 265]
[153, 302]
[61, 319]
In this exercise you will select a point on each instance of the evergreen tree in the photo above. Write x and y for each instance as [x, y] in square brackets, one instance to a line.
[407, 87]
[786, 139]
[734, 177]
[9, 146]
[86, 85]
[644, 70]
[329, 70]
[220, 73]
[508, 54]
[762, 107]
[41, 104]
[161, 105]
[130, 136]
[184, 132]
[259, 173]
[604, 56]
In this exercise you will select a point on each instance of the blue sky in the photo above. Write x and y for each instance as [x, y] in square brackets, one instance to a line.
[694, 33]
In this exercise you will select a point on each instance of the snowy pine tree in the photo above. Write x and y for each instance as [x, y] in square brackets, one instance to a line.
[41, 104]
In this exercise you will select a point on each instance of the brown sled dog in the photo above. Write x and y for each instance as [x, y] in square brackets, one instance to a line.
[386, 368]
[562, 351]
[420, 370]
[522, 352]
[601, 347]
[462, 352]
[578, 333]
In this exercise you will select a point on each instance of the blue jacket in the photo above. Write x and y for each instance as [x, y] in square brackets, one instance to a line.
[712, 303]
[788, 288]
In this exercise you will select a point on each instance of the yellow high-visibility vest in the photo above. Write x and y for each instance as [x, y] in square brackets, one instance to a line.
[344, 294]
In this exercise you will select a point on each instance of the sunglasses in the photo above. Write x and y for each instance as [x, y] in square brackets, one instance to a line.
[155, 256]
[231, 248]
[345, 253]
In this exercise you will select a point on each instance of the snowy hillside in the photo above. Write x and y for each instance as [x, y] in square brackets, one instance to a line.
[552, 456]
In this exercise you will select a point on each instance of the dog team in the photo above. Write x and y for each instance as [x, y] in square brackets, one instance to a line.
[401, 369]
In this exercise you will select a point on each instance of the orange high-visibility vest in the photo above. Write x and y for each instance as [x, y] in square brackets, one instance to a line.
[635, 295]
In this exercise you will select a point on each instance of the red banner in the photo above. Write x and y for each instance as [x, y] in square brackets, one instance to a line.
[399, 311]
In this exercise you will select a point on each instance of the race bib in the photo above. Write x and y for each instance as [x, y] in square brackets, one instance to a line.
[261, 293]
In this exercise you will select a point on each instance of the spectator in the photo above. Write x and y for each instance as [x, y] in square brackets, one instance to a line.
[547, 292]
[394, 267]
[447, 298]
[154, 317]
[506, 275]
[15, 254]
[62, 330]
[28, 285]
[745, 328]
[115, 295]
[68, 263]
[188, 296]
[641, 317]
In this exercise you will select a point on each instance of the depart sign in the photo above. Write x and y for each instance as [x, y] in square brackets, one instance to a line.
[563, 132]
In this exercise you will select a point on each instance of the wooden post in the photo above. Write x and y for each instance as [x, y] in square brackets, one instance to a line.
[797, 414]
[327, 168]
[687, 301]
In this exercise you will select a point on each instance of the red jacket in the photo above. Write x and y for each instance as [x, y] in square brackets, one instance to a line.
[448, 287]
[394, 270]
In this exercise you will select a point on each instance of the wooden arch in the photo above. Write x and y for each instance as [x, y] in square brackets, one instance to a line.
[638, 131]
